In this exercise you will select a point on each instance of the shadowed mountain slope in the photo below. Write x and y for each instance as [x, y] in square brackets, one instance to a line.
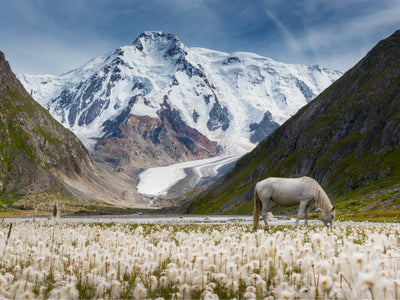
[348, 138]
[41, 161]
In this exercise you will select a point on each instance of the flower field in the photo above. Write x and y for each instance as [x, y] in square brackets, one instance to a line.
[60, 259]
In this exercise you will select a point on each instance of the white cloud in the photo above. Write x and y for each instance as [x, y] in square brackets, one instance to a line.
[347, 42]
[291, 41]
[340, 40]
[360, 27]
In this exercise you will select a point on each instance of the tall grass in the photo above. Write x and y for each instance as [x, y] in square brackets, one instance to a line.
[91, 261]
[8, 237]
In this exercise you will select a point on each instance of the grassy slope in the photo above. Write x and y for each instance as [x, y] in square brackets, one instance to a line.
[29, 152]
[34, 150]
[347, 139]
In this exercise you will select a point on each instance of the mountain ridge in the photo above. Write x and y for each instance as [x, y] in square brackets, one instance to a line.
[348, 138]
[226, 102]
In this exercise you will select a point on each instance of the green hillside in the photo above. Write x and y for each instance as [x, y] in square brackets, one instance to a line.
[35, 150]
[348, 139]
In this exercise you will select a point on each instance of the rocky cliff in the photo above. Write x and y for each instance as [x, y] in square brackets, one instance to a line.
[348, 138]
[142, 141]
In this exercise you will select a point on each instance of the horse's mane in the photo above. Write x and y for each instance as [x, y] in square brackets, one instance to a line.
[322, 198]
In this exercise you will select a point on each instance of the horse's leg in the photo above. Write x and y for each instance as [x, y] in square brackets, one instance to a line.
[306, 215]
[300, 212]
[264, 211]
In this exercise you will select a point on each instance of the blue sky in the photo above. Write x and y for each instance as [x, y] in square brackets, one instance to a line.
[55, 36]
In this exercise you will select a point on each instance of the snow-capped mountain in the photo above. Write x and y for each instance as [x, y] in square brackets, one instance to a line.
[159, 99]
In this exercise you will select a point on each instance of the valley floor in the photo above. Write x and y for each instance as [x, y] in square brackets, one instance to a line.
[174, 219]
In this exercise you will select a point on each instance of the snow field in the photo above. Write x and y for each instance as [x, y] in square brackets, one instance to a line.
[157, 181]
[60, 259]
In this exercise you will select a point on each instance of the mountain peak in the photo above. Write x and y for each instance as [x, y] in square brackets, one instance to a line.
[154, 35]
[7, 77]
[218, 94]
[151, 40]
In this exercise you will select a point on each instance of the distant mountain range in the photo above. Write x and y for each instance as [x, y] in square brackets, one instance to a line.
[158, 101]
[348, 138]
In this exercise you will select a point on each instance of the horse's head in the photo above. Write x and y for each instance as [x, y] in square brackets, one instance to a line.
[328, 217]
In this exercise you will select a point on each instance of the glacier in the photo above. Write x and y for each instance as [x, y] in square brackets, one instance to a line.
[158, 181]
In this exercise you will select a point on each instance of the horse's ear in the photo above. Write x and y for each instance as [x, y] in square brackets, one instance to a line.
[333, 209]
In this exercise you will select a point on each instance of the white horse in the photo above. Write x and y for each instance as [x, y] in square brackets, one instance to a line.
[289, 192]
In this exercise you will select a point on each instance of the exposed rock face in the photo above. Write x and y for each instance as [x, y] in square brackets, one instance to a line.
[219, 117]
[347, 138]
[262, 129]
[144, 141]
[195, 144]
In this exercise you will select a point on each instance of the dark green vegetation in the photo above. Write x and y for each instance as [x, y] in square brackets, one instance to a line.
[36, 152]
[348, 139]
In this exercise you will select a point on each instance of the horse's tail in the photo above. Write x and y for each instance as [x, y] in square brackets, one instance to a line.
[257, 208]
